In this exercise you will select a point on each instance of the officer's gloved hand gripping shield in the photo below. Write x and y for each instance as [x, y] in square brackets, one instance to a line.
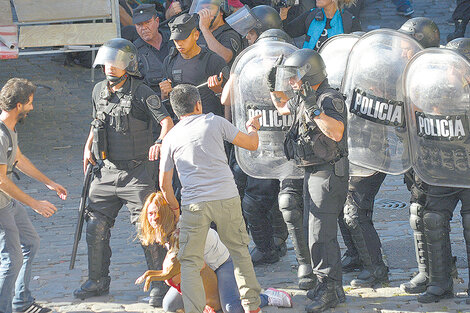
[436, 84]
[372, 84]
[250, 96]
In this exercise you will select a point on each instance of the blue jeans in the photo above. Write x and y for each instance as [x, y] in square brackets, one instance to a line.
[228, 292]
[19, 243]
[401, 3]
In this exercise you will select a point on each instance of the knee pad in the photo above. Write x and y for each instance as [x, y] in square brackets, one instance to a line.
[291, 207]
[416, 216]
[97, 228]
[436, 226]
[351, 216]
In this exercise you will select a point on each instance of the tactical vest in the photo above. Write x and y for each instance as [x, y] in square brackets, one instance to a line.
[128, 138]
[306, 143]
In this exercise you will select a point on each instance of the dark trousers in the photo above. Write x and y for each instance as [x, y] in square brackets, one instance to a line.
[324, 197]
[361, 197]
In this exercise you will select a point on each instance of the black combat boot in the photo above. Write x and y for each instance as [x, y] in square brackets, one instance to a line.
[436, 231]
[264, 257]
[93, 288]
[325, 297]
[371, 276]
[307, 280]
[459, 32]
[350, 263]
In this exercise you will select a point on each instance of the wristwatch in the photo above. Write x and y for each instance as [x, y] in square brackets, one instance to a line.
[316, 112]
[158, 141]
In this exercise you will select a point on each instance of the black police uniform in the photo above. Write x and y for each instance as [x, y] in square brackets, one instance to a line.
[325, 181]
[196, 71]
[151, 59]
[227, 37]
[126, 176]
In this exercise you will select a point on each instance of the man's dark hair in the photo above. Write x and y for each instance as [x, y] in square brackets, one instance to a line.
[183, 99]
[16, 90]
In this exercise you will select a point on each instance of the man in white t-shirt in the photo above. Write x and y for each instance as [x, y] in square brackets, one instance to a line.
[209, 194]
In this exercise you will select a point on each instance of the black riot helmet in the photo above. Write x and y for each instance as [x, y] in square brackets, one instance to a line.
[424, 30]
[304, 64]
[267, 17]
[120, 53]
[461, 45]
[274, 34]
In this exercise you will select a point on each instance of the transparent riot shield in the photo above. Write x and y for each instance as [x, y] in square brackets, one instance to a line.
[249, 97]
[436, 84]
[335, 52]
[372, 84]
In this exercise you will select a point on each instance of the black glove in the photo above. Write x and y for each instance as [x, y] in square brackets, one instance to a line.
[272, 73]
[311, 107]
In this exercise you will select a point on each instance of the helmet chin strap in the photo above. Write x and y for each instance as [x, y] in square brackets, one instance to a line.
[113, 80]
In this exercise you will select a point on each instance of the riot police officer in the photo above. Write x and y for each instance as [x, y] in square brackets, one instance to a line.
[251, 23]
[364, 248]
[439, 157]
[426, 32]
[317, 141]
[121, 136]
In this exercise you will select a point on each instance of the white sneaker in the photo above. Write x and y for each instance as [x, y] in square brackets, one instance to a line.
[278, 298]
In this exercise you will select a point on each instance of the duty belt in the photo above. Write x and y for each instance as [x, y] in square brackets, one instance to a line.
[122, 165]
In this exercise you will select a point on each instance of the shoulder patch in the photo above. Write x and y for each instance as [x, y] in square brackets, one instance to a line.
[234, 44]
[338, 104]
[154, 102]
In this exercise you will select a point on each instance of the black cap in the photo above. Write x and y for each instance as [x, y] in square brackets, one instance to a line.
[143, 13]
[182, 26]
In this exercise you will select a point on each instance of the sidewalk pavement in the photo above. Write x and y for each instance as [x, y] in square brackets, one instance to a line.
[53, 136]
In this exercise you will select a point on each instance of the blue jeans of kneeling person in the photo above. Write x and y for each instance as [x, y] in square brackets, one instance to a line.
[19, 243]
[228, 292]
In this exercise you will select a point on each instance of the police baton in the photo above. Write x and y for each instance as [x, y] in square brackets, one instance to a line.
[81, 213]
[225, 75]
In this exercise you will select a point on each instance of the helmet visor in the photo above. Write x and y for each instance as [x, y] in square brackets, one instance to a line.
[287, 76]
[113, 57]
[198, 5]
[242, 21]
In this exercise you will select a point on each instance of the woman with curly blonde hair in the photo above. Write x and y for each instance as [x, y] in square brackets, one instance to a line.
[158, 224]
[329, 18]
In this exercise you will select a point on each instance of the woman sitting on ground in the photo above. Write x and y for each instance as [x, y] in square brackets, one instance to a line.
[158, 223]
